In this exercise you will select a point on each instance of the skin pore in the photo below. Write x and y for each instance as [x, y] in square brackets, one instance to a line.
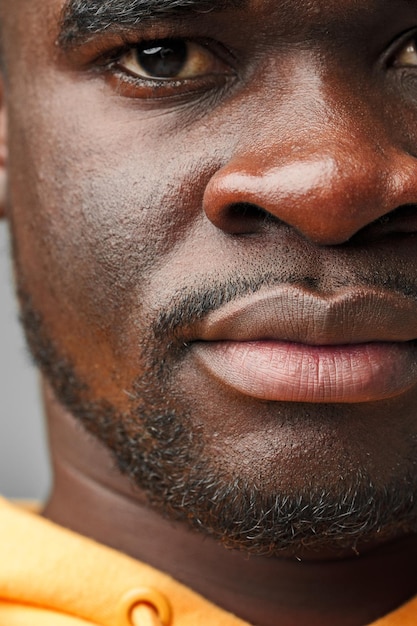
[278, 158]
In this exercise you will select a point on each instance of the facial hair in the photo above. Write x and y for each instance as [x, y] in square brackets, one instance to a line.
[157, 445]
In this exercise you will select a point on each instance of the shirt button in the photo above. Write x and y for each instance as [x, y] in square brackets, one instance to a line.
[144, 606]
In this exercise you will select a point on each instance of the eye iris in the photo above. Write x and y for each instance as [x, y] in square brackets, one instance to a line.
[164, 60]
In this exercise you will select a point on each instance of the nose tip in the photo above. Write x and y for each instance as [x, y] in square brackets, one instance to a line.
[325, 199]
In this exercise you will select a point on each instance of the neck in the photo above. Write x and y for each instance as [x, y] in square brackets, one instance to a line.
[262, 590]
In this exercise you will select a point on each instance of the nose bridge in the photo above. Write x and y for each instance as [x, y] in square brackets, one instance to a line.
[328, 170]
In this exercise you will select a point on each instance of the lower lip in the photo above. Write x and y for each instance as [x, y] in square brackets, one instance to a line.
[292, 372]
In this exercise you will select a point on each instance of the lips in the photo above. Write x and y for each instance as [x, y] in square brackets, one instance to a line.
[292, 345]
[292, 314]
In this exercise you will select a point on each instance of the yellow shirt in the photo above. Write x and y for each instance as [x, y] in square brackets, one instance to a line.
[50, 576]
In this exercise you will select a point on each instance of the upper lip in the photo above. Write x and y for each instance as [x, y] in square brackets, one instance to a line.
[290, 313]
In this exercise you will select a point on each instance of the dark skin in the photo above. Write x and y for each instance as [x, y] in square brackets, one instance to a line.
[123, 191]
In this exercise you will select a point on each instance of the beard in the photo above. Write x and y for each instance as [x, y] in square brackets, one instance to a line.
[158, 445]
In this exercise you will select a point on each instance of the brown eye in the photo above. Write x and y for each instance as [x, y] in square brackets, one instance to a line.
[407, 55]
[170, 59]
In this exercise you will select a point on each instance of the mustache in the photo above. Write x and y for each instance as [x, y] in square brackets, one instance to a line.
[190, 305]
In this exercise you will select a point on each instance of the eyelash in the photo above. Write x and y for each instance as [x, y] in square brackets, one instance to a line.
[397, 47]
[128, 84]
[132, 86]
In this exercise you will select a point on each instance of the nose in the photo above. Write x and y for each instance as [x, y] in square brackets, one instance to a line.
[328, 187]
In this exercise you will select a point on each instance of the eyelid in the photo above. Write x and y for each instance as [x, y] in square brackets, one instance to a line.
[397, 46]
[162, 92]
[103, 48]
[201, 60]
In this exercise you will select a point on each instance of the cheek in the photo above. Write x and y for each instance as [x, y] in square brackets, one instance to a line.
[96, 209]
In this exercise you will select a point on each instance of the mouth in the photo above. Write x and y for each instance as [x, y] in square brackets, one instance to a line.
[291, 345]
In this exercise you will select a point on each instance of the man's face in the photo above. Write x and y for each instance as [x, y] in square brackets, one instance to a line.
[214, 231]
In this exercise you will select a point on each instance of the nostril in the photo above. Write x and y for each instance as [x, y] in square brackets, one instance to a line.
[246, 218]
[241, 218]
[400, 221]
[248, 211]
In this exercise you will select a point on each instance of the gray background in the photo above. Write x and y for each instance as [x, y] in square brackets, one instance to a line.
[24, 470]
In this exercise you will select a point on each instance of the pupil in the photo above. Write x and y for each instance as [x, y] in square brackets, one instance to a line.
[164, 60]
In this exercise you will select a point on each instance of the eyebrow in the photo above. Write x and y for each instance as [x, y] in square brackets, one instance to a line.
[81, 19]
